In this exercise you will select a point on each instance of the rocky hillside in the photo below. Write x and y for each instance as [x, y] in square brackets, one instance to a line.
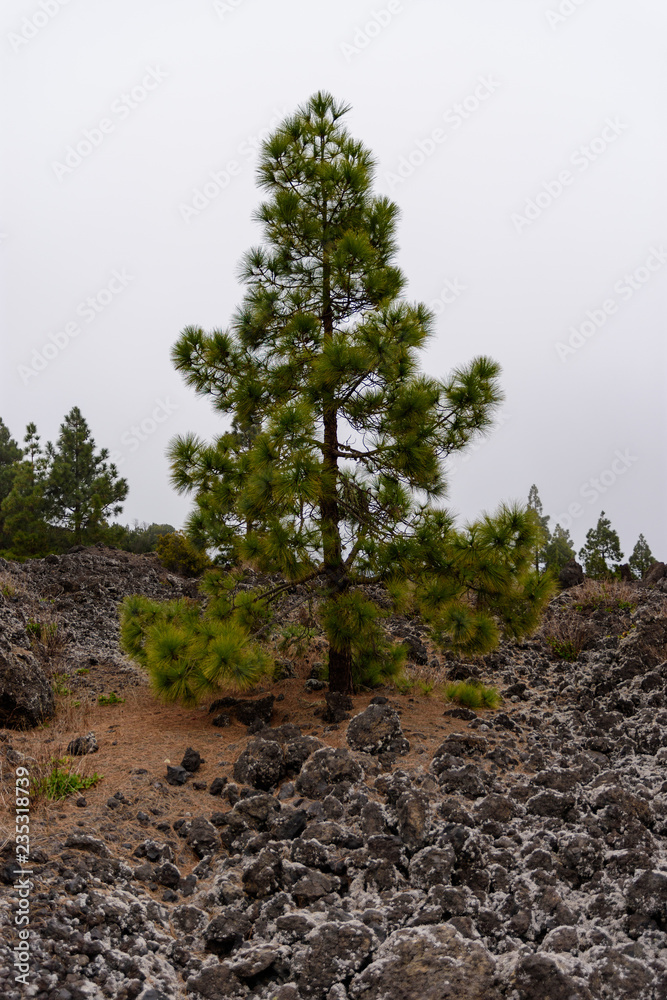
[396, 848]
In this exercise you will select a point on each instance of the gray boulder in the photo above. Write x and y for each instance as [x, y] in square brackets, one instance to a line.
[377, 730]
[26, 696]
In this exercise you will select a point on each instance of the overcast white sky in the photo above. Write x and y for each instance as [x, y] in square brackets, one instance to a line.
[524, 141]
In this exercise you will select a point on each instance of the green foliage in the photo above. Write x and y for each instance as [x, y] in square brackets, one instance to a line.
[352, 622]
[334, 466]
[641, 559]
[296, 639]
[559, 550]
[139, 538]
[544, 535]
[34, 629]
[178, 554]
[472, 694]
[426, 688]
[59, 685]
[565, 649]
[57, 496]
[190, 653]
[61, 780]
[602, 547]
[81, 488]
[109, 699]
[10, 456]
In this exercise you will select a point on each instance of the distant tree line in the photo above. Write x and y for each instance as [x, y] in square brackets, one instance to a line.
[59, 495]
[601, 556]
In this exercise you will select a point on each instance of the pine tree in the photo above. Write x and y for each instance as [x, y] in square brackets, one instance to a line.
[81, 487]
[10, 457]
[338, 486]
[535, 504]
[641, 559]
[559, 549]
[602, 547]
[23, 511]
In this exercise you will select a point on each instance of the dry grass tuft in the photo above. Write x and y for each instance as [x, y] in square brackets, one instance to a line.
[609, 594]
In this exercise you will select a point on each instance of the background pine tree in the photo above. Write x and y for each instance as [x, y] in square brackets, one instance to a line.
[642, 558]
[535, 504]
[10, 456]
[601, 555]
[81, 489]
[559, 549]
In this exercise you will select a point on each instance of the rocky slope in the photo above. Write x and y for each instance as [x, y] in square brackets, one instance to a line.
[521, 854]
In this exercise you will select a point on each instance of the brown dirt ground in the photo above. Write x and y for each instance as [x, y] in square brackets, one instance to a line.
[142, 733]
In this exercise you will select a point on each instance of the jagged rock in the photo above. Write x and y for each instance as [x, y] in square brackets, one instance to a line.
[647, 895]
[338, 707]
[429, 963]
[263, 876]
[26, 696]
[192, 761]
[262, 764]
[332, 953]
[246, 710]
[432, 866]
[326, 771]
[218, 784]
[377, 730]
[83, 745]
[654, 573]
[571, 575]
[227, 931]
[216, 982]
[177, 775]
[536, 977]
[221, 720]
[202, 837]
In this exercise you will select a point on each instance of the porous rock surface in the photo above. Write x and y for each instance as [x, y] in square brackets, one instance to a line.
[526, 859]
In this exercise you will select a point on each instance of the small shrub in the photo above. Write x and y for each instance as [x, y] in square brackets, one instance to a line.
[110, 699]
[404, 685]
[296, 639]
[426, 688]
[472, 694]
[564, 649]
[59, 685]
[179, 555]
[61, 780]
[34, 629]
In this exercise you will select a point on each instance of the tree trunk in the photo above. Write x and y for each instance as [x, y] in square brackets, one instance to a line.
[340, 669]
[340, 659]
